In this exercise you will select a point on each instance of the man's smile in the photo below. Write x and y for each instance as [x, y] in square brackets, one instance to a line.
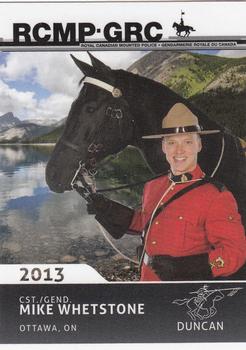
[179, 159]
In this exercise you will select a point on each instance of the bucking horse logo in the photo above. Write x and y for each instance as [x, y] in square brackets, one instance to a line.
[202, 305]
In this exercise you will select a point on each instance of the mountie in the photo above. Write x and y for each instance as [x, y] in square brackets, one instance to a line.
[74, 33]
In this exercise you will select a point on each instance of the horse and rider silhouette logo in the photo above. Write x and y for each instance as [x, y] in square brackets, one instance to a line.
[202, 305]
[181, 27]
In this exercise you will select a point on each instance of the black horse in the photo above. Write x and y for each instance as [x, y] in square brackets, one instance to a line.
[181, 28]
[105, 118]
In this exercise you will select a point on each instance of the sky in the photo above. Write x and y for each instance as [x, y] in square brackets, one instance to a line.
[43, 85]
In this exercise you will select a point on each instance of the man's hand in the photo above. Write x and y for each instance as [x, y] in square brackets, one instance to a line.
[113, 216]
[97, 203]
[184, 268]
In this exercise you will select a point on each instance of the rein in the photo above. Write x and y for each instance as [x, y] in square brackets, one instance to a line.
[86, 177]
[82, 173]
[83, 181]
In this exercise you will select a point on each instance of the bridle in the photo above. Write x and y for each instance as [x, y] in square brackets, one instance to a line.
[84, 176]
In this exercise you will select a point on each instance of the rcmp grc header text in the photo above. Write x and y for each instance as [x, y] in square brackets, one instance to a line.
[72, 33]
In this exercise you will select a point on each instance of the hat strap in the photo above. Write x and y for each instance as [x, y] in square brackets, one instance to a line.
[182, 129]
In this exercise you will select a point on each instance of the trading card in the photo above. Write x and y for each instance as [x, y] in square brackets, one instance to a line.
[122, 172]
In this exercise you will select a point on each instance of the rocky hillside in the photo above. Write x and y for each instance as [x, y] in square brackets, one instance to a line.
[23, 132]
[8, 120]
[217, 85]
[14, 130]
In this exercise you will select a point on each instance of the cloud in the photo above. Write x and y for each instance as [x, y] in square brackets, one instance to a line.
[55, 107]
[24, 105]
[232, 53]
[53, 71]
[24, 182]
[15, 101]
[16, 67]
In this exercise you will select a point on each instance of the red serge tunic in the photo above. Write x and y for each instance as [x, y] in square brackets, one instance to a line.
[203, 220]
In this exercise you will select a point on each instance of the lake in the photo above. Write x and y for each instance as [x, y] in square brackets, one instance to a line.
[39, 226]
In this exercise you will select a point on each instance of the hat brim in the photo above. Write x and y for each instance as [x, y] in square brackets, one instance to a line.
[204, 132]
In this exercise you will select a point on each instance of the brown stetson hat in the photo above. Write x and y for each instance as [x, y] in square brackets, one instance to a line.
[180, 120]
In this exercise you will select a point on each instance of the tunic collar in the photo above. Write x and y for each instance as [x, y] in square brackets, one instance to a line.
[194, 175]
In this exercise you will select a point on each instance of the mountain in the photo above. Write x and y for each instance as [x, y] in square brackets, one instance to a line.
[14, 130]
[23, 132]
[53, 135]
[217, 85]
[50, 137]
[8, 120]
[42, 122]
[60, 122]
[188, 73]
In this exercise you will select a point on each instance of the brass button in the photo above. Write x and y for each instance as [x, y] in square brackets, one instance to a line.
[180, 217]
[153, 242]
[172, 188]
[157, 222]
[162, 203]
[230, 217]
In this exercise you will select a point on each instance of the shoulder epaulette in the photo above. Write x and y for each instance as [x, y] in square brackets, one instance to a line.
[219, 185]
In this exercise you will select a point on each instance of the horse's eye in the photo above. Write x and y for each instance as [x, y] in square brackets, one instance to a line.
[90, 109]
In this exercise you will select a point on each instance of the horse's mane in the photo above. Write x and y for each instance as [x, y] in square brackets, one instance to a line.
[137, 80]
[131, 82]
[121, 73]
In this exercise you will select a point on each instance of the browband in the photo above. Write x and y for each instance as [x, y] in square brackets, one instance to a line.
[113, 90]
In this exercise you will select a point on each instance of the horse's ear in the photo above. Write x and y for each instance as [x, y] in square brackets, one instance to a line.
[100, 66]
[85, 68]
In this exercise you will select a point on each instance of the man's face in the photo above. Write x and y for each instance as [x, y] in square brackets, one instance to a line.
[181, 152]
